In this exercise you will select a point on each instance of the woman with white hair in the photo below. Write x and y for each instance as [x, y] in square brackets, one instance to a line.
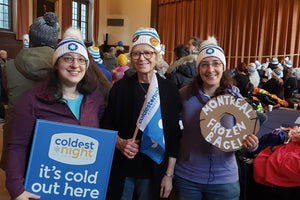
[134, 171]
[202, 170]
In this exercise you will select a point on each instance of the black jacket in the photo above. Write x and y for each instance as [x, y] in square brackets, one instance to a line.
[182, 71]
[121, 115]
[273, 86]
[244, 84]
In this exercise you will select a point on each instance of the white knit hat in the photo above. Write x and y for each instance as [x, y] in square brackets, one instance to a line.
[258, 65]
[252, 68]
[288, 64]
[147, 36]
[275, 61]
[94, 51]
[70, 45]
[286, 59]
[210, 48]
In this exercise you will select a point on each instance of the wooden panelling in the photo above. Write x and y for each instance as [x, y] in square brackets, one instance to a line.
[9, 43]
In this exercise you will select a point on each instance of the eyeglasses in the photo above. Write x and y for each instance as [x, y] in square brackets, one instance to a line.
[146, 54]
[214, 64]
[70, 59]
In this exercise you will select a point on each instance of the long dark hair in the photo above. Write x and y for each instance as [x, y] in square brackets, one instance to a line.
[196, 83]
[86, 86]
[242, 67]
[103, 84]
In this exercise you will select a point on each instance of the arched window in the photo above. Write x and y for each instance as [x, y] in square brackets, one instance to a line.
[5, 15]
[80, 11]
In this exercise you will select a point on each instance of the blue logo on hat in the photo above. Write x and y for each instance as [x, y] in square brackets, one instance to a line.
[210, 51]
[72, 47]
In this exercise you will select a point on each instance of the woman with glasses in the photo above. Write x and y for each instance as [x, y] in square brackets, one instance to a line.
[134, 173]
[203, 171]
[68, 95]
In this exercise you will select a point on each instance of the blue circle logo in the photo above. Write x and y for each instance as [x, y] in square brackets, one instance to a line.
[72, 47]
[210, 51]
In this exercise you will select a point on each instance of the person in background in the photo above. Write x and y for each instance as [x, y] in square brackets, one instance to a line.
[287, 64]
[118, 72]
[3, 57]
[260, 71]
[194, 45]
[182, 70]
[268, 72]
[290, 84]
[243, 80]
[109, 59]
[275, 84]
[68, 95]
[203, 171]
[103, 84]
[254, 76]
[30, 67]
[94, 51]
[134, 172]
[165, 65]
[273, 64]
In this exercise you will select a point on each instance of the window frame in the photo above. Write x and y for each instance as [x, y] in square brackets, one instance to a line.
[79, 18]
[10, 15]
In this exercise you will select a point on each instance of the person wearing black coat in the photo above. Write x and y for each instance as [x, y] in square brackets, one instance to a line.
[274, 85]
[182, 70]
[243, 81]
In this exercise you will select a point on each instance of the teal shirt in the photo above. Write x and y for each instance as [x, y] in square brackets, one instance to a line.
[74, 105]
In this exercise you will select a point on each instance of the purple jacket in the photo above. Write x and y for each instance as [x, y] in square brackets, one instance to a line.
[198, 161]
[36, 104]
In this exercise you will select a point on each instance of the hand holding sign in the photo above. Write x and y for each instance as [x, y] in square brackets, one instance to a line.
[250, 142]
[224, 138]
[69, 162]
[27, 195]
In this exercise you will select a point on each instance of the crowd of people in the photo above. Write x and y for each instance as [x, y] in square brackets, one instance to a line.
[70, 83]
[277, 78]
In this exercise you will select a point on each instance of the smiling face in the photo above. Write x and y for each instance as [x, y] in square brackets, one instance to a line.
[142, 64]
[70, 72]
[211, 71]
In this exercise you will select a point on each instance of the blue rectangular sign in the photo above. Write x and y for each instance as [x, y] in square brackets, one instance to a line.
[69, 162]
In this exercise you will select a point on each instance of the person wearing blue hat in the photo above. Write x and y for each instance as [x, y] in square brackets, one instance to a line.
[94, 51]
[274, 63]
